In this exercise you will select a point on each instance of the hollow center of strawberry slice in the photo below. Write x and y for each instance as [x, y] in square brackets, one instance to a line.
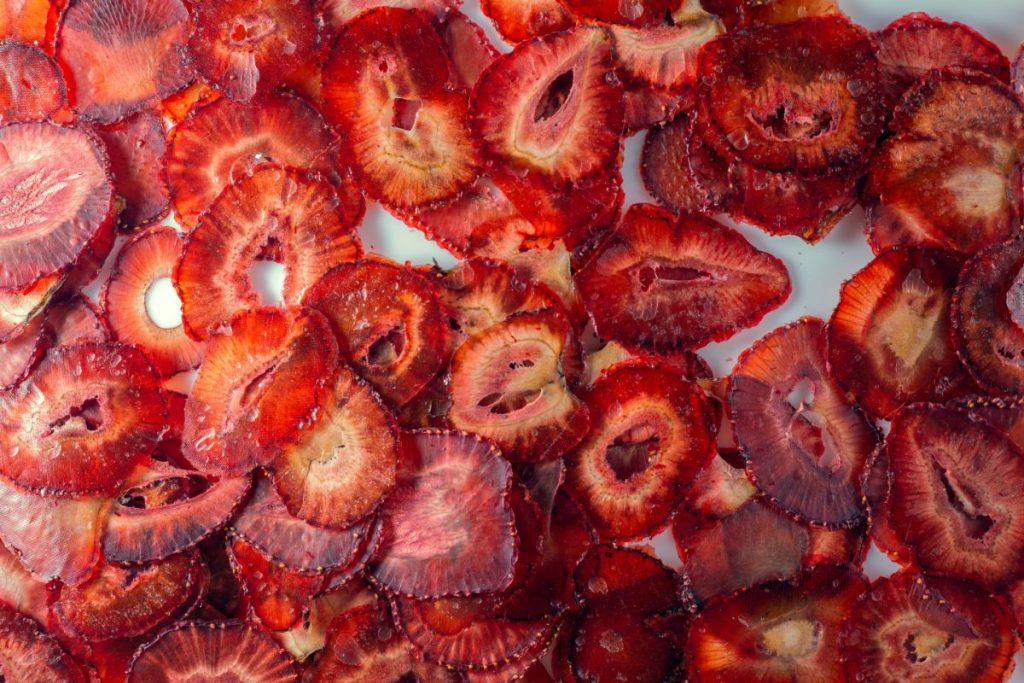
[632, 452]
[650, 275]
[251, 29]
[554, 98]
[920, 647]
[792, 639]
[405, 112]
[807, 431]
[1015, 299]
[790, 116]
[976, 524]
[87, 416]
[387, 348]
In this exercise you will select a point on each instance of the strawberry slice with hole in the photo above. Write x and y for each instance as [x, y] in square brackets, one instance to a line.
[551, 109]
[509, 383]
[145, 260]
[469, 49]
[278, 596]
[914, 627]
[20, 353]
[135, 147]
[30, 21]
[247, 48]
[805, 445]
[274, 214]
[334, 15]
[28, 653]
[76, 320]
[31, 84]
[197, 650]
[652, 432]
[261, 384]
[222, 142]
[950, 175]
[146, 38]
[472, 547]
[649, 281]
[520, 20]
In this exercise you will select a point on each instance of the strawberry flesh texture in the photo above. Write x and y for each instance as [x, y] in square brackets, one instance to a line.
[278, 596]
[29, 653]
[31, 84]
[628, 13]
[519, 20]
[135, 147]
[29, 21]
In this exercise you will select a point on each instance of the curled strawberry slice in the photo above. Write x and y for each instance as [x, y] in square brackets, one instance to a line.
[519, 20]
[135, 147]
[29, 653]
[31, 84]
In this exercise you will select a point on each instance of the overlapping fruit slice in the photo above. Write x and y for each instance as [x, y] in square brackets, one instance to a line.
[275, 214]
[652, 281]
[76, 320]
[599, 361]
[29, 653]
[629, 13]
[469, 49]
[30, 21]
[451, 223]
[805, 445]
[1005, 415]
[335, 14]
[309, 637]
[386, 88]
[20, 590]
[135, 148]
[1017, 73]
[19, 354]
[519, 20]
[736, 13]
[278, 596]
[913, 627]
[671, 165]
[19, 307]
[950, 176]
[145, 38]
[647, 107]
[31, 84]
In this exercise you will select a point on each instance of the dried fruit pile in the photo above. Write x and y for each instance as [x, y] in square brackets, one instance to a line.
[401, 472]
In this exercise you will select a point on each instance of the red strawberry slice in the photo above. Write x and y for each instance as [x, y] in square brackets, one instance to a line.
[147, 258]
[145, 38]
[246, 48]
[224, 651]
[335, 14]
[1005, 415]
[18, 308]
[20, 353]
[650, 280]
[76, 320]
[949, 177]
[519, 20]
[469, 49]
[527, 670]
[135, 147]
[389, 320]
[309, 637]
[59, 197]
[30, 654]
[550, 109]
[451, 223]
[745, 12]
[293, 214]
[278, 596]
[31, 84]
[223, 141]
[597, 362]
[509, 383]
[876, 483]
[1017, 73]
[471, 547]
[805, 445]
[671, 167]
[21, 590]
[628, 13]
[913, 627]
[29, 21]
[261, 384]
[647, 107]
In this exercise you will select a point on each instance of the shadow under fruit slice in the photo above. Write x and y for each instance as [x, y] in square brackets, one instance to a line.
[457, 486]
[653, 280]
[136, 148]
[805, 445]
[519, 20]
[28, 653]
[913, 627]
[31, 84]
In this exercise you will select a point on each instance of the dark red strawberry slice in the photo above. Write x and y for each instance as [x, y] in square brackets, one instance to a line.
[672, 165]
[746, 12]
[665, 56]
[987, 312]
[21, 590]
[76, 320]
[30, 654]
[31, 84]
[389, 320]
[260, 385]
[626, 579]
[147, 258]
[647, 107]
[59, 196]
[949, 176]
[222, 142]
[386, 89]
[246, 48]
[775, 632]
[509, 384]
[335, 14]
[952, 496]
[211, 651]
[653, 431]
[1006, 415]
[889, 341]
[294, 215]
[471, 547]
[145, 38]
[1017, 73]
[628, 13]
[429, 408]
[527, 669]
[913, 627]
[135, 147]
[20, 353]
[519, 20]
[914, 44]
[278, 596]
[469, 49]
[805, 445]
[551, 108]
[876, 484]
[30, 21]
[309, 637]
[122, 602]
[651, 279]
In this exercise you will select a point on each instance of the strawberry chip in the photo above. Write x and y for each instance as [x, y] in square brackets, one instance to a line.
[278, 597]
[519, 20]
[335, 14]
[20, 353]
[29, 653]
[469, 49]
[628, 13]
[135, 147]
[31, 84]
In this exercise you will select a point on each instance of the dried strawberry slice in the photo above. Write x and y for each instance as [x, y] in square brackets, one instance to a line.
[335, 14]
[626, 579]
[469, 49]
[31, 84]
[262, 381]
[950, 176]
[471, 548]
[1006, 415]
[76, 320]
[58, 195]
[278, 596]
[451, 223]
[222, 142]
[599, 361]
[609, 645]
[805, 445]
[193, 96]
[29, 21]
[20, 353]
[629, 13]
[390, 321]
[776, 631]
[135, 147]
[294, 214]
[309, 637]
[651, 278]
[196, 650]
[671, 165]
[551, 109]
[746, 12]
[28, 653]
[146, 38]
[647, 107]
[916, 627]
[18, 308]
[519, 20]
[21, 590]
[247, 48]
[508, 383]
[801, 97]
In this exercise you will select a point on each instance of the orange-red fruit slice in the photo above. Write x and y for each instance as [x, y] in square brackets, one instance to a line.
[652, 432]
[647, 107]
[805, 445]
[58, 198]
[950, 176]
[135, 147]
[260, 385]
[335, 14]
[653, 279]
[221, 142]
[278, 597]
[19, 307]
[31, 84]
[431, 548]
[552, 108]
[144, 38]
[145, 259]
[294, 215]
[21, 590]
[29, 21]
[212, 651]
[519, 20]
[914, 627]
[28, 653]
[247, 48]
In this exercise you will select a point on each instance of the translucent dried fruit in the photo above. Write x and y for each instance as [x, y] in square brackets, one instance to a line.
[469, 49]
[28, 653]
[179, 105]
[135, 148]
[519, 20]
[18, 308]
[278, 596]
[627, 580]
[669, 168]
[29, 21]
[1006, 415]
[451, 223]
[31, 84]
